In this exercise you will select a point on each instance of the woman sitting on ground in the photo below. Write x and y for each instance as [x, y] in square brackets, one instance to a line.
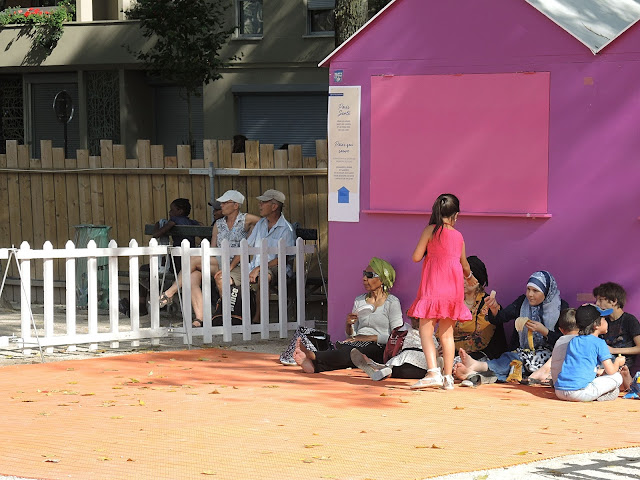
[541, 305]
[368, 326]
[479, 336]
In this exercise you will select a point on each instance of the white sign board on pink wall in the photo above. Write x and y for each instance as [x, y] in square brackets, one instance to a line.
[344, 154]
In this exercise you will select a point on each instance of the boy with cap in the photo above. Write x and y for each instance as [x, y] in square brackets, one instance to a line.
[272, 226]
[578, 380]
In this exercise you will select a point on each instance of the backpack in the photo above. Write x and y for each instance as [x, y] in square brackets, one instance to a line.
[236, 307]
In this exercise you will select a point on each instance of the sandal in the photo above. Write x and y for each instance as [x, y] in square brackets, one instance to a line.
[427, 382]
[535, 381]
[165, 300]
[196, 323]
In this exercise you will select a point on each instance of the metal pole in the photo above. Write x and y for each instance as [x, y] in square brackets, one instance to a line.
[211, 187]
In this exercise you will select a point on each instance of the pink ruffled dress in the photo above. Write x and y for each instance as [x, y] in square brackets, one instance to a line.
[441, 291]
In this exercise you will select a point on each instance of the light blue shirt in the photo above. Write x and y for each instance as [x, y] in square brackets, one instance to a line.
[584, 353]
[282, 229]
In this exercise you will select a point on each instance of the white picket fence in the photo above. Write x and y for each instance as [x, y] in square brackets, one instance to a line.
[131, 331]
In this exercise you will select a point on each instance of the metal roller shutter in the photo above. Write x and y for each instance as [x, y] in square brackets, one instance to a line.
[296, 119]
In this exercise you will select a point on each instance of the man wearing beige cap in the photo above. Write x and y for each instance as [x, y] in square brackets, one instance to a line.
[233, 226]
[272, 226]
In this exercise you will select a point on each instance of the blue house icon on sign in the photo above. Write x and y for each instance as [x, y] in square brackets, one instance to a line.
[343, 195]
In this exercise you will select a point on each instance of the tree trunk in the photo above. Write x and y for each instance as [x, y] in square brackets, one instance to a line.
[190, 124]
[350, 16]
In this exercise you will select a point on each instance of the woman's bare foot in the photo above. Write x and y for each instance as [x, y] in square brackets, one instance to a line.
[626, 378]
[461, 372]
[472, 363]
[304, 358]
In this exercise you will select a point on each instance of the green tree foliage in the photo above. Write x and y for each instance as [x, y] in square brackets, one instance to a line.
[187, 36]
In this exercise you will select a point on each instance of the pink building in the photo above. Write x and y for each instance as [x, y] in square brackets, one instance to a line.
[522, 112]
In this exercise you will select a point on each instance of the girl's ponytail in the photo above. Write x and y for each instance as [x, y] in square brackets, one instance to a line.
[445, 206]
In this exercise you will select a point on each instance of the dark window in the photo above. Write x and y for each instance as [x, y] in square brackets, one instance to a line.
[320, 17]
[249, 18]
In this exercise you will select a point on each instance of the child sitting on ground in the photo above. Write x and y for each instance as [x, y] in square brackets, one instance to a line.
[578, 380]
[623, 336]
[548, 373]
[569, 329]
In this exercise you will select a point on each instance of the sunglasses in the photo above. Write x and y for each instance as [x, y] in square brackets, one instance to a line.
[370, 274]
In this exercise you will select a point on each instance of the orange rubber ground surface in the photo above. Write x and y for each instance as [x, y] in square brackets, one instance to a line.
[234, 415]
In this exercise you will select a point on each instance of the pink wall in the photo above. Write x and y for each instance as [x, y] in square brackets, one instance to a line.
[594, 150]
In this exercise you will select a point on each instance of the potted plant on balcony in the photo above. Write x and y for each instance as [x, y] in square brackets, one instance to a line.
[47, 22]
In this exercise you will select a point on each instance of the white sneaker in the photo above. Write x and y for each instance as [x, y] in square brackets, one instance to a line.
[290, 362]
[447, 383]
[376, 371]
[428, 382]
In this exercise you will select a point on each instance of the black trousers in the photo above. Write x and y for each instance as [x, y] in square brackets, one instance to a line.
[341, 357]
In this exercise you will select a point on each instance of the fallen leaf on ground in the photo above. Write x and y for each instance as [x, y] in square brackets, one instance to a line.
[134, 380]
[307, 460]
[208, 472]
[215, 392]
[458, 408]
[522, 453]
[52, 460]
[312, 445]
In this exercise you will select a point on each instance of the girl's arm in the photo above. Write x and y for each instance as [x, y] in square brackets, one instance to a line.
[421, 248]
[466, 269]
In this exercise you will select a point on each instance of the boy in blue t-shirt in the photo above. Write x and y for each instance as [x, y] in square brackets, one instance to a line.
[578, 380]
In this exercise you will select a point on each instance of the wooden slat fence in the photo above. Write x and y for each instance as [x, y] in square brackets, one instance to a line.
[45, 198]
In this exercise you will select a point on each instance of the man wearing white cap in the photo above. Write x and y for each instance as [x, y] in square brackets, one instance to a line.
[273, 226]
[233, 226]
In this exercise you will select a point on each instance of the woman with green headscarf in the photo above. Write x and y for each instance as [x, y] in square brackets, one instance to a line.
[368, 325]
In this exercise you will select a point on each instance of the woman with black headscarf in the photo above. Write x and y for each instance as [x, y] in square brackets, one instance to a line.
[479, 337]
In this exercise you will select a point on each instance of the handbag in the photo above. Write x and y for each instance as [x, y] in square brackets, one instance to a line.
[394, 344]
[312, 339]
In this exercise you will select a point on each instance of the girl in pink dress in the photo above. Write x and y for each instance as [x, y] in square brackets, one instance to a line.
[440, 298]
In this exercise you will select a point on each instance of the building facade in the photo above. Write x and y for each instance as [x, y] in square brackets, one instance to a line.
[274, 93]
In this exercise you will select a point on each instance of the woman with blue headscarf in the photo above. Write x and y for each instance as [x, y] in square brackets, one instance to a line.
[541, 305]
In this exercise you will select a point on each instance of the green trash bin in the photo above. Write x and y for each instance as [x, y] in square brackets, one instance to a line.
[100, 235]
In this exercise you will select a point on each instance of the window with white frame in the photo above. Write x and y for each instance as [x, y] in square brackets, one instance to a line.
[249, 18]
[320, 17]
